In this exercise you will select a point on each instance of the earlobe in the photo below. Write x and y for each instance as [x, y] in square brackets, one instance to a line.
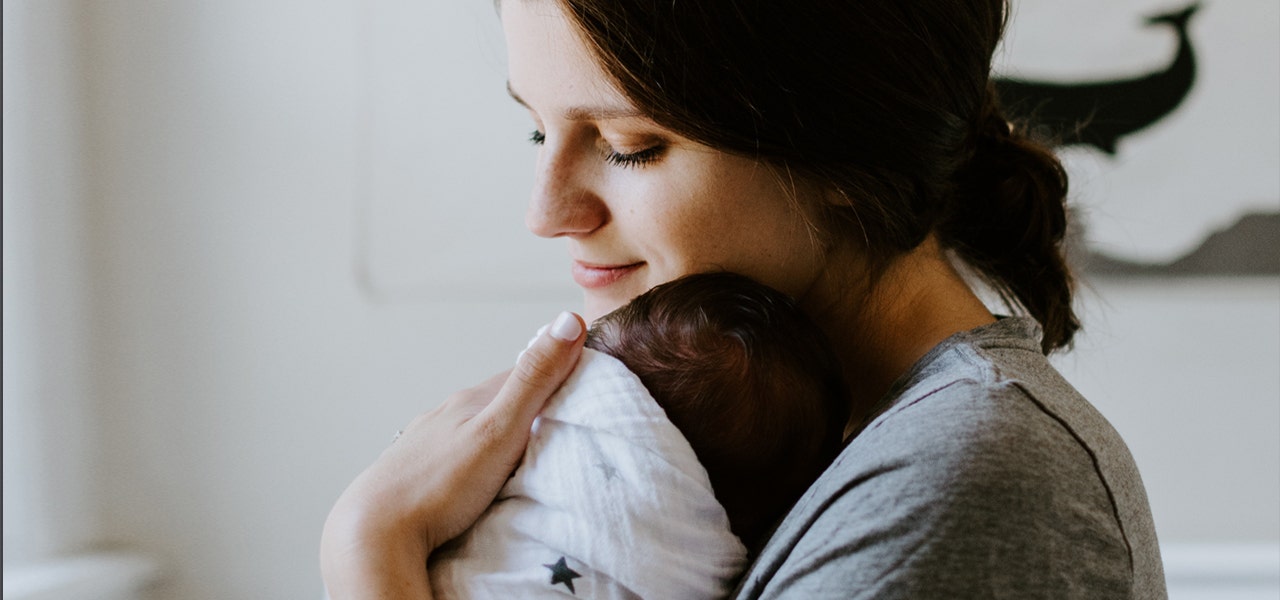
[836, 197]
[821, 207]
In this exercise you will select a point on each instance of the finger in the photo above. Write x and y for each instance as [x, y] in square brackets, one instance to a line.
[473, 400]
[537, 374]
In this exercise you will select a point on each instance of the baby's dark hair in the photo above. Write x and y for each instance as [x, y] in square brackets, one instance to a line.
[751, 382]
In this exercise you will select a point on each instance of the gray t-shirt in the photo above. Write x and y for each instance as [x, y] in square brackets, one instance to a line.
[984, 475]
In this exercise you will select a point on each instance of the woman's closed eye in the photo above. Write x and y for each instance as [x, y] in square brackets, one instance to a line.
[635, 159]
[638, 158]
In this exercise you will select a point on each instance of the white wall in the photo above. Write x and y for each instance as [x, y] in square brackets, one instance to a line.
[1189, 372]
[238, 369]
[236, 346]
[250, 372]
[47, 328]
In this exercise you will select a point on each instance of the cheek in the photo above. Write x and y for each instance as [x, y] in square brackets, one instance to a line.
[689, 234]
[756, 237]
[761, 235]
[720, 215]
[665, 219]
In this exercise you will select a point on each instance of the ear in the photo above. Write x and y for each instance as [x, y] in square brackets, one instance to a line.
[833, 196]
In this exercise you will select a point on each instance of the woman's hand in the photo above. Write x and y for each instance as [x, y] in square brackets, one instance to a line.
[442, 471]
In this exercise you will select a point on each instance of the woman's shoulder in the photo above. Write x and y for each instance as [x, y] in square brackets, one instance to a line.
[990, 388]
[984, 472]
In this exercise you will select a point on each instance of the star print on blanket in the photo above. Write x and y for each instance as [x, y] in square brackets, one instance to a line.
[561, 573]
[608, 470]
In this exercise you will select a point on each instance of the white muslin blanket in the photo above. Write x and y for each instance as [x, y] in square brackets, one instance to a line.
[609, 502]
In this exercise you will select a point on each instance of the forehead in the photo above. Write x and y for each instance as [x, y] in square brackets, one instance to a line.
[549, 66]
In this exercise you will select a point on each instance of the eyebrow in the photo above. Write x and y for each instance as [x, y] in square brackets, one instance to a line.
[587, 113]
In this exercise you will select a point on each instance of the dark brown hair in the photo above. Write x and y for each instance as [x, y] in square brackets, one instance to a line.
[886, 104]
[752, 383]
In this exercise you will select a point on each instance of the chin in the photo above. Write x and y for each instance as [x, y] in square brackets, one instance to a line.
[595, 306]
[593, 310]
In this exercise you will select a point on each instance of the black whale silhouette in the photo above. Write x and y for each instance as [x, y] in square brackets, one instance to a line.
[1099, 113]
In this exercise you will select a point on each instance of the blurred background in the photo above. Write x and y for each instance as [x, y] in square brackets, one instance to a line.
[245, 242]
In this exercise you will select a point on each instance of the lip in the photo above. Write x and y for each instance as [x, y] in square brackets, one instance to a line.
[593, 276]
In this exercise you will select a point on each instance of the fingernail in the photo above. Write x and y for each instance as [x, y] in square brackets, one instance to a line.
[566, 327]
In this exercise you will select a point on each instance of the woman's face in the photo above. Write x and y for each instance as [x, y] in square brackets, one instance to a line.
[638, 204]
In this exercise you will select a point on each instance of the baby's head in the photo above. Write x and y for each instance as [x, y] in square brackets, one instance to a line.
[750, 381]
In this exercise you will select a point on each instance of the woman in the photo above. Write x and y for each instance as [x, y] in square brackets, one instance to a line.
[850, 155]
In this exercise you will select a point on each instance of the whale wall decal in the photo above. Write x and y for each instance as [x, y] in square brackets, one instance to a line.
[1248, 247]
[1101, 113]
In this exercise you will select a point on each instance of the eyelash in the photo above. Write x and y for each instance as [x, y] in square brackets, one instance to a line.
[618, 159]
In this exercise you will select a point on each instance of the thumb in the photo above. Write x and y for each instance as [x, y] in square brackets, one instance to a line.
[539, 371]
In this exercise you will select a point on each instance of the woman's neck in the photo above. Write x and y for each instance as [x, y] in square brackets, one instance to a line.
[881, 332]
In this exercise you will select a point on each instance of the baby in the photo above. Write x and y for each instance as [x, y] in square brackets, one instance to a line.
[698, 415]
[746, 377]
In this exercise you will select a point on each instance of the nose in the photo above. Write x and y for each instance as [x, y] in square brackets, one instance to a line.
[564, 201]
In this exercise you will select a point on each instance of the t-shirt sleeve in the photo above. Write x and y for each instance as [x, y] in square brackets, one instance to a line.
[969, 492]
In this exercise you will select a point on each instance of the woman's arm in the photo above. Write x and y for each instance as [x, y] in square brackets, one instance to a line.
[439, 475]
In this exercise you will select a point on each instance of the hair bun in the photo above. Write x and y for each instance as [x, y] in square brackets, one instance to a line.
[991, 141]
[1008, 219]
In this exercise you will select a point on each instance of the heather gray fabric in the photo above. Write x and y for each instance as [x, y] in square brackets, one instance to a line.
[985, 475]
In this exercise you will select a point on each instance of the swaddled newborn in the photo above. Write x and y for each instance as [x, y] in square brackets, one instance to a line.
[698, 415]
